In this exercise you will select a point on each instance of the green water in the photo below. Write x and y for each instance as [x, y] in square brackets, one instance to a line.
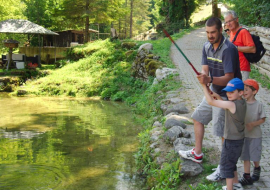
[50, 143]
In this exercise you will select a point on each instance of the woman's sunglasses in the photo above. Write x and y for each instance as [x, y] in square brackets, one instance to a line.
[227, 30]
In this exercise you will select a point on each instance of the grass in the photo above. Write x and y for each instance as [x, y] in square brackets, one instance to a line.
[263, 79]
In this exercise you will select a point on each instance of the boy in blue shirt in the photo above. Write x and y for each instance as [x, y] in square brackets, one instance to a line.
[235, 112]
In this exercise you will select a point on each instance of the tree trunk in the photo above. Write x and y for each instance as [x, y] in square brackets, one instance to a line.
[131, 19]
[214, 8]
[86, 32]
[126, 22]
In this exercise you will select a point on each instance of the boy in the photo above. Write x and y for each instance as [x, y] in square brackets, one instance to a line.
[235, 112]
[252, 148]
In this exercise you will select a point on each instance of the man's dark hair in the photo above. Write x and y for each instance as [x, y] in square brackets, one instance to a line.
[214, 21]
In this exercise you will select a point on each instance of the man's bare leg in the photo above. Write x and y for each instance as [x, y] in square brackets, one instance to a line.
[199, 133]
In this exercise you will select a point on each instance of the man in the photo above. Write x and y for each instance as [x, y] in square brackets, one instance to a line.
[243, 42]
[220, 60]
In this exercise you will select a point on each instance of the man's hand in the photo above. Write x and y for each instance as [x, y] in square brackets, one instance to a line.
[203, 78]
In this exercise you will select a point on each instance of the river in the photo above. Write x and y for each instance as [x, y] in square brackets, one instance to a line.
[56, 143]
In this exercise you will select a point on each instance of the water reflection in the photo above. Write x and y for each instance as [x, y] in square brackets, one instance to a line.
[49, 143]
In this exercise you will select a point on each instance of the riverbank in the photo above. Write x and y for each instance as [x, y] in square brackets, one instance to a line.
[191, 45]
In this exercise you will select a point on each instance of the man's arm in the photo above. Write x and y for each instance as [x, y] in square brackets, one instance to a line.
[247, 49]
[221, 81]
[248, 43]
[218, 103]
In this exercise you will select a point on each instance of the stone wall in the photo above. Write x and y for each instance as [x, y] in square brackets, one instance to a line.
[264, 33]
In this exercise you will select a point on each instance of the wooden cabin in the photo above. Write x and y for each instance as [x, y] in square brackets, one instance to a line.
[66, 38]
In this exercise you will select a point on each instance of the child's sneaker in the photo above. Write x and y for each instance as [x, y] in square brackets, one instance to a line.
[236, 186]
[191, 155]
[215, 176]
[256, 174]
[245, 180]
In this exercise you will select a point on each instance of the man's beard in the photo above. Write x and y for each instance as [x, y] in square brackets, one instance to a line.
[217, 39]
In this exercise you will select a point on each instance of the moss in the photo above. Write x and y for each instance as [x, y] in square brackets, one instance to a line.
[152, 66]
[128, 45]
[150, 56]
[147, 61]
[129, 53]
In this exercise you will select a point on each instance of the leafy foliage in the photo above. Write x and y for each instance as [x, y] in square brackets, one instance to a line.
[252, 13]
[262, 78]
[177, 13]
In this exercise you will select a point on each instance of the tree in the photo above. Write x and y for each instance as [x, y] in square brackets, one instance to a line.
[251, 13]
[131, 17]
[139, 16]
[215, 10]
[155, 17]
[9, 11]
[177, 13]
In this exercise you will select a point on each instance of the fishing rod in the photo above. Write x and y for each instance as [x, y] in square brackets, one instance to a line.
[168, 35]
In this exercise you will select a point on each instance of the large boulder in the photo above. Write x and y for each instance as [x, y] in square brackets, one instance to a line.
[173, 133]
[164, 73]
[189, 168]
[146, 46]
[179, 108]
[175, 120]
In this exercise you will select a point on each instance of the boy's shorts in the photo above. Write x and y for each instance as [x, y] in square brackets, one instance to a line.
[252, 149]
[231, 151]
[204, 113]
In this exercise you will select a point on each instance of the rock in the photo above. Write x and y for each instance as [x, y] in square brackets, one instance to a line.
[21, 92]
[178, 145]
[173, 94]
[146, 46]
[173, 133]
[164, 72]
[175, 100]
[154, 138]
[160, 160]
[157, 150]
[155, 81]
[128, 45]
[170, 114]
[174, 120]
[190, 168]
[157, 133]
[186, 141]
[180, 108]
[186, 134]
[163, 107]
[157, 124]
[154, 145]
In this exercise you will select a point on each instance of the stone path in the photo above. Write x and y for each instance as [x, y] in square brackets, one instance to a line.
[191, 45]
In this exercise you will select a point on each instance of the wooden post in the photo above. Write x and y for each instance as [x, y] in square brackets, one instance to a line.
[9, 57]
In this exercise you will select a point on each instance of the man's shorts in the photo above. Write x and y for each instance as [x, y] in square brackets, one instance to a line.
[204, 113]
[245, 75]
[252, 149]
[231, 151]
